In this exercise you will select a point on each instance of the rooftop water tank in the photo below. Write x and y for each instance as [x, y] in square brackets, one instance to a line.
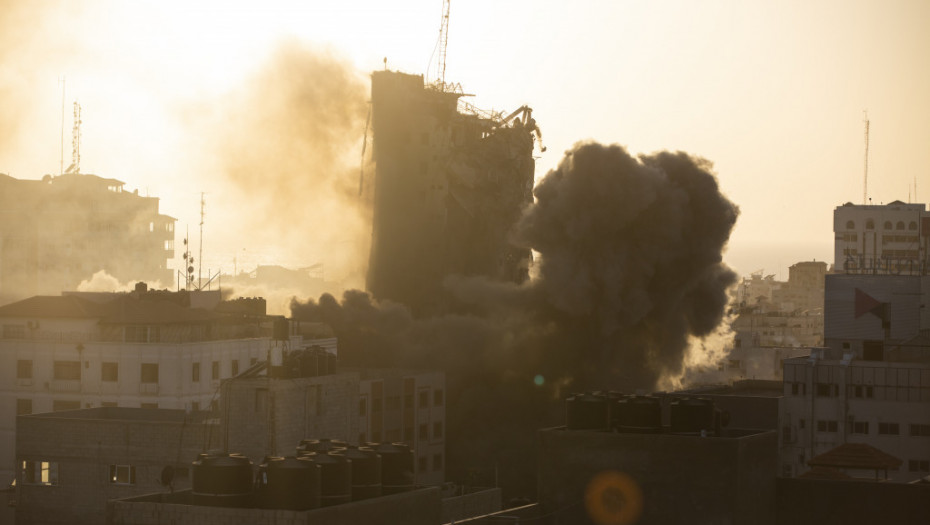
[320, 445]
[289, 483]
[636, 414]
[221, 480]
[335, 477]
[396, 467]
[366, 471]
[691, 415]
[586, 411]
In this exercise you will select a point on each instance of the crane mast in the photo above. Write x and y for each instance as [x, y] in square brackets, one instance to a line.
[443, 41]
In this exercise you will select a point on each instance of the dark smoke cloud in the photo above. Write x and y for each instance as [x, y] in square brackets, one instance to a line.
[630, 259]
[630, 269]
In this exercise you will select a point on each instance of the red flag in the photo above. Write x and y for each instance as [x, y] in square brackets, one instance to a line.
[865, 304]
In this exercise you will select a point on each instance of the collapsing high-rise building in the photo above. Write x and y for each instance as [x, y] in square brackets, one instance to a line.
[449, 184]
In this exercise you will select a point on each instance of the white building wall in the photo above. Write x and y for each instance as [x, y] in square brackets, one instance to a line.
[175, 387]
[828, 403]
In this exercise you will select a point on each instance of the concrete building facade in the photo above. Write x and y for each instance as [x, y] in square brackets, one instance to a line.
[893, 238]
[71, 463]
[59, 231]
[449, 183]
[148, 350]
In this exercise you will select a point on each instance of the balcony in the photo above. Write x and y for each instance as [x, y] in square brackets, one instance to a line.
[148, 389]
[64, 386]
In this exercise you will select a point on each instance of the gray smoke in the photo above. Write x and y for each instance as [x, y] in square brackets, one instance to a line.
[630, 269]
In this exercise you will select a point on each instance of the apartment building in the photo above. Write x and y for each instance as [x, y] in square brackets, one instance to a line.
[146, 349]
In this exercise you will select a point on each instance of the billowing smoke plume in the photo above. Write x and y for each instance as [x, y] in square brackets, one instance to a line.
[630, 273]
[285, 148]
[631, 260]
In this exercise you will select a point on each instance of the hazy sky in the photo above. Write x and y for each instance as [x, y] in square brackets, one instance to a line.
[772, 93]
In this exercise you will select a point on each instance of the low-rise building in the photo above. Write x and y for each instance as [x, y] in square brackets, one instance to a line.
[147, 349]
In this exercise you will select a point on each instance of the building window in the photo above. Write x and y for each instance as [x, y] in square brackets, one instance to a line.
[920, 430]
[424, 432]
[437, 429]
[862, 391]
[40, 473]
[122, 474]
[421, 464]
[869, 224]
[376, 405]
[215, 370]
[424, 399]
[23, 407]
[912, 225]
[363, 407]
[24, 369]
[826, 426]
[142, 334]
[918, 465]
[195, 406]
[437, 398]
[826, 390]
[59, 405]
[899, 225]
[850, 225]
[149, 372]
[887, 225]
[437, 462]
[109, 372]
[798, 389]
[860, 427]
[14, 331]
[169, 245]
[235, 367]
[889, 429]
[195, 372]
[67, 370]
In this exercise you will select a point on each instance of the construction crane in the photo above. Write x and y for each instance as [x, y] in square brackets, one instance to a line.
[443, 42]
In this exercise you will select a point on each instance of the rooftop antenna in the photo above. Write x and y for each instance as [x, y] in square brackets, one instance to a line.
[443, 41]
[75, 166]
[61, 157]
[440, 80]
[865, 178]
[200, 255]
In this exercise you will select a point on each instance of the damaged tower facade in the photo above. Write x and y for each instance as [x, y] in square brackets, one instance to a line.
[449, 184]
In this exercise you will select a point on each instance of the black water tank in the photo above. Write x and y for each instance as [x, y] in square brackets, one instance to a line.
[335, 477]
[221, 480]
[586, 411]
[281, 329]
[396, 467]
[691, 415]
[320, 445]
[366, 471]
[289, 483]
[637, 414]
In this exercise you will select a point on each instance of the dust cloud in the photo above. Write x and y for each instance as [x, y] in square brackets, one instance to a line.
[282, 152]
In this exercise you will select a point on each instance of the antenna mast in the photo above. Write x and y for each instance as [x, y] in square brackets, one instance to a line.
[443, 41]
[865, 178]
[200, 255]
[75, 166]
[61, 157]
